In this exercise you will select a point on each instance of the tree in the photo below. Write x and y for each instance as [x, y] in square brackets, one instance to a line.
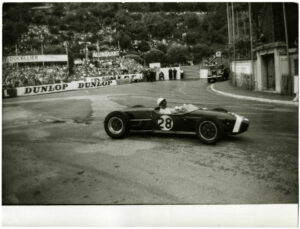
[162, 29]
[192, 38]
[153, 56]
[16, 18]
[124, 40]
[58, 9]
[155, 6]
[178, 54]
[201, 51]
[191, 20]
[143, 46]
[137, 30]
[162, 47]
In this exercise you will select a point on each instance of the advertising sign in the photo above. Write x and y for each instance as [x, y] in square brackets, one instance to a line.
[35, 58]
[106, 54]
[154, 65]
[52, 88]
[218, 54]
[241, 67]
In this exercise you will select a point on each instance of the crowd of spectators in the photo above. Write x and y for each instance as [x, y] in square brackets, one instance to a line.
[110, 67]
[21, 76]
[31, 75]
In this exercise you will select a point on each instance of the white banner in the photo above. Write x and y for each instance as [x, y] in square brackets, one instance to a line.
[35, 58]
[118, 77]
[52, 88]
[154, 65]
[106, 54]
[78, 61]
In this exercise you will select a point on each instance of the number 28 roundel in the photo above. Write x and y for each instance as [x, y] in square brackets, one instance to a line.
[165, 122]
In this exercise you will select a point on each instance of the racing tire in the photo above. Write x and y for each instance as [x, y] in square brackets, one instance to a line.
[116, 124]
[209, 130]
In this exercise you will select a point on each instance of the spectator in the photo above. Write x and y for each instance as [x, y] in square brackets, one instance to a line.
[174, 73]
[170, 74]
[181, 73]
[161, 76]
[22, 76]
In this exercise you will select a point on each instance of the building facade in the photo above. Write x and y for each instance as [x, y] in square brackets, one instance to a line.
[274, 67]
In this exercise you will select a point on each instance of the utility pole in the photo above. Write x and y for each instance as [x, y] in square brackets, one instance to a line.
[98, 50]
[67, 53]
[17, 55]
[287, 49]
[42, 42]
[251, 42]
[86, 59]
[233, 40]
[237, 24]
[228, 24]
[43, 54]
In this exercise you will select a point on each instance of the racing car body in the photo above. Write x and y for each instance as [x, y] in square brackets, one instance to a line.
[208, 124]
[218, 75]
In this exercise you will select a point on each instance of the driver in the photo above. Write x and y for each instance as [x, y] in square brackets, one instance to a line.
[162, 103]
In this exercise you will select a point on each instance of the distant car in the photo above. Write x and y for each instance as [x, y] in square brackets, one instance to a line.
[208, 124]
[218, 75]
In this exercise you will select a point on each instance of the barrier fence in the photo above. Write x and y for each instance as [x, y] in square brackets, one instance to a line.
[88, 82]
[53, 88]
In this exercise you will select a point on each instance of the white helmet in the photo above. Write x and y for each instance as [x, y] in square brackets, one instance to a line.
[159, 100]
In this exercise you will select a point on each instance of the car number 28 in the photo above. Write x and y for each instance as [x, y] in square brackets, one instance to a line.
[165, 122]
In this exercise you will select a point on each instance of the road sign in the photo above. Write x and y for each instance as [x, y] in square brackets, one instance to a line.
[218, 54]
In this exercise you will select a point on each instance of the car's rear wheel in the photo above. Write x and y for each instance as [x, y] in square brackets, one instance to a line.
[116, 124]
[209, 130]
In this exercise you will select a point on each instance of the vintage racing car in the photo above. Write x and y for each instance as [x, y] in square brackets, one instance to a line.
[218, 75]
[208, 124]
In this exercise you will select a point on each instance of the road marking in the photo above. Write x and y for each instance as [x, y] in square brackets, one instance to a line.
[250, 98]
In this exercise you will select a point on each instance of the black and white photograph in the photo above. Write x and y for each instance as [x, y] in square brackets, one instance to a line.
[150, 104]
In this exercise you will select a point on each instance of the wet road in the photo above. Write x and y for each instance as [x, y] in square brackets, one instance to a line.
[55, 151]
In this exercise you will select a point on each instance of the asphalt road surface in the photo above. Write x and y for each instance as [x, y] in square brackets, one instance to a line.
[55, 151]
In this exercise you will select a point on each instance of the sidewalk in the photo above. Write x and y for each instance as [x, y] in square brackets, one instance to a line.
[226, 89]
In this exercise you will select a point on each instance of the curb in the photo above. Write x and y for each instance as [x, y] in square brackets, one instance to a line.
[250, 98]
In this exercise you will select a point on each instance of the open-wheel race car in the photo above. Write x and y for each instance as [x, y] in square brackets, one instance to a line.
[209, 125]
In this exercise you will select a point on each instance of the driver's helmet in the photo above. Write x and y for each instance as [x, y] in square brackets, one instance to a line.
[160, 100]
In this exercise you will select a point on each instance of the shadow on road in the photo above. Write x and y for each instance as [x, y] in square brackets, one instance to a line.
[189, 138]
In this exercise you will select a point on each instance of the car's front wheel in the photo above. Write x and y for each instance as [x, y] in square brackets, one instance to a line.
[209, 130]
[116, 124]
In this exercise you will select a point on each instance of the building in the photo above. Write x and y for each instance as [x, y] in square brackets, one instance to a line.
[274, 67]
[277, 64]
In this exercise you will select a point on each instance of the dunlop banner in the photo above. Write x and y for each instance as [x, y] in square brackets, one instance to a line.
[52, 88]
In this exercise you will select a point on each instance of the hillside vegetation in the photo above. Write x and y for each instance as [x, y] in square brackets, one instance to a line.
[154, 32]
